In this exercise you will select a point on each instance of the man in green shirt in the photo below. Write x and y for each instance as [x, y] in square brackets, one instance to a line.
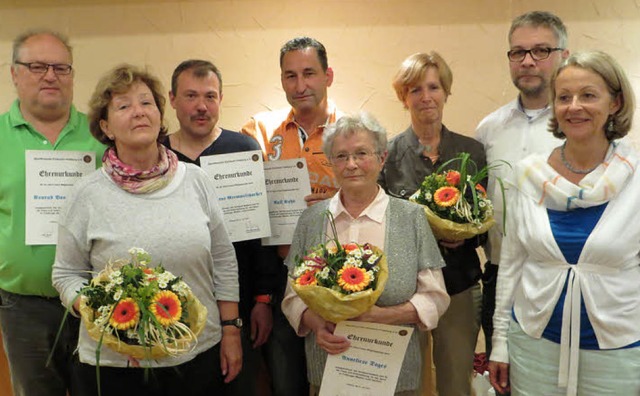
[42, 118]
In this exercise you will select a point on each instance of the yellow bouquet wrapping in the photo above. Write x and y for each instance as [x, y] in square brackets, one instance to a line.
[139, 311]
[455, 202]
[340, 283]
[451, 231]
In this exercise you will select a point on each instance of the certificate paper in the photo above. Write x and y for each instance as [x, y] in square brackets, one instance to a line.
[371, 365]
[49, 176]
[239, 183]
[287, 183]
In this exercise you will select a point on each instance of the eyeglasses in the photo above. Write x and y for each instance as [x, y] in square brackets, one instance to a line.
[537, 53]
[359, 157]
[60, 69]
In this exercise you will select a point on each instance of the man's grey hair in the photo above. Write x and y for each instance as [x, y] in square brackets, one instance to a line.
[351, 124]
[542, 19]
[19, 41]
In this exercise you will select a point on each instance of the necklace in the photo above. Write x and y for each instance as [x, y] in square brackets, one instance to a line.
[571, 168]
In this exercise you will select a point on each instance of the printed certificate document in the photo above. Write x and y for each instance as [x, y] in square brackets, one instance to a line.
[239, 182]
[287, 183]
[371, 365]
[49, 177]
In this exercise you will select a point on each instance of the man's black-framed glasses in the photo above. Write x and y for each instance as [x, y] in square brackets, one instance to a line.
[537, 53]
[60, 69]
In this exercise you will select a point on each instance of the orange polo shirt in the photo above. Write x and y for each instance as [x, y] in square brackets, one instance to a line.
[277, 133]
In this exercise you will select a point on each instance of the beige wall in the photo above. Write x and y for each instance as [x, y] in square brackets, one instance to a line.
[366, 40]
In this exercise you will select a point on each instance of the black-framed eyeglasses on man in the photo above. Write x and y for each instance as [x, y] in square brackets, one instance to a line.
[537, 53]
[60, 69]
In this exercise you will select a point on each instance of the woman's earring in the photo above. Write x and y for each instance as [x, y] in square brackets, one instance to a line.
[611, 127]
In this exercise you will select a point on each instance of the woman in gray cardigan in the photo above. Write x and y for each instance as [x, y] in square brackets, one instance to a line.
[415, 294]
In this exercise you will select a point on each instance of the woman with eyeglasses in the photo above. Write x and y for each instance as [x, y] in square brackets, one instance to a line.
[423, 85]
[567, 318]
[414, 294]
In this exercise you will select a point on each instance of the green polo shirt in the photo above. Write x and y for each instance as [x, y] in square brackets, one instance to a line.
[27, 269]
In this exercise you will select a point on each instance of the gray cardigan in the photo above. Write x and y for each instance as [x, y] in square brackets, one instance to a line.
[409, 246]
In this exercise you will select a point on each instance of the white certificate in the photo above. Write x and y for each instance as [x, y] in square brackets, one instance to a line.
[49, 176]
[371, 365]
[239, 183]
[287, 183]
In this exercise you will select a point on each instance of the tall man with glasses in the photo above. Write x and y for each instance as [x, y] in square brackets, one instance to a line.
[537, 45]
[42, 118]
[296, 132]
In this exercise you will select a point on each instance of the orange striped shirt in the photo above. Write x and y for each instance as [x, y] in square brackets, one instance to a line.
[277, 133]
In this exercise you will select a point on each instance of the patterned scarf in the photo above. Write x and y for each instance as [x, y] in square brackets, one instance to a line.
[138, 181]
[537, 179]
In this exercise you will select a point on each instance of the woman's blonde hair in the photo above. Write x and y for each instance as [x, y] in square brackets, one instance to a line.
[415, 67]
[617, 84]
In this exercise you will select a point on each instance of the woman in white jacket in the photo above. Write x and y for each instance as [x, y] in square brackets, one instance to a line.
[567, 319]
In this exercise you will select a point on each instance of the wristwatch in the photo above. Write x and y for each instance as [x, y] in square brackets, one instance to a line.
[263, 298]
[233, 322]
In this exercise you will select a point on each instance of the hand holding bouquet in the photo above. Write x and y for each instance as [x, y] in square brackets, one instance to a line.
[455, 202]
[340, 281]
[140, 311]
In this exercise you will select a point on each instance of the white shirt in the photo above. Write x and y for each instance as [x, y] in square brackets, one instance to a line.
[510, 135]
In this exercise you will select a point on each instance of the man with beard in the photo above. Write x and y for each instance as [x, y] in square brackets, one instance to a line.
[537, 42]
[196, 94]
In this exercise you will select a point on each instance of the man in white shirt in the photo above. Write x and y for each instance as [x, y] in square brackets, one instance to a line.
[537, 45]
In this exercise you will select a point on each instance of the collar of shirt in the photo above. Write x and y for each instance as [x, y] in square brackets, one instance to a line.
[375, 211]
[443, 147]
[518, 111]
[17, 119]
[330, 119]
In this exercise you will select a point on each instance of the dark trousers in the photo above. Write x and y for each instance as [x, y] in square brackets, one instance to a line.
[284, 353]
[198, 377]
[29, 327]
[489, 282]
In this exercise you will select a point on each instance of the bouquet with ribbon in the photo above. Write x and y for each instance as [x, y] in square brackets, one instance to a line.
[455, 202]
[340, 281]
[141, 311]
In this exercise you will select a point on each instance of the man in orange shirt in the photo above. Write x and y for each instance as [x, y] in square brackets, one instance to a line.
[296, 132]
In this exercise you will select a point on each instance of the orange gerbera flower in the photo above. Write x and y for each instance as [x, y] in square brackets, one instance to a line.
[353, 279]
[307, 279]
[350, 247]
[166, 307]
[149, 272]
[446, 196]
[453, 178]
[125, 315]
[481, 189]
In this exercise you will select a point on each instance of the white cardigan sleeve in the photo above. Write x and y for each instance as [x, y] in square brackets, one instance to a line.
[513, 256]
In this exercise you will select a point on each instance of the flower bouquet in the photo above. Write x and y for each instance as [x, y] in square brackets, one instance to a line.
[340, 281]
[455, 202]
[139, 311]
